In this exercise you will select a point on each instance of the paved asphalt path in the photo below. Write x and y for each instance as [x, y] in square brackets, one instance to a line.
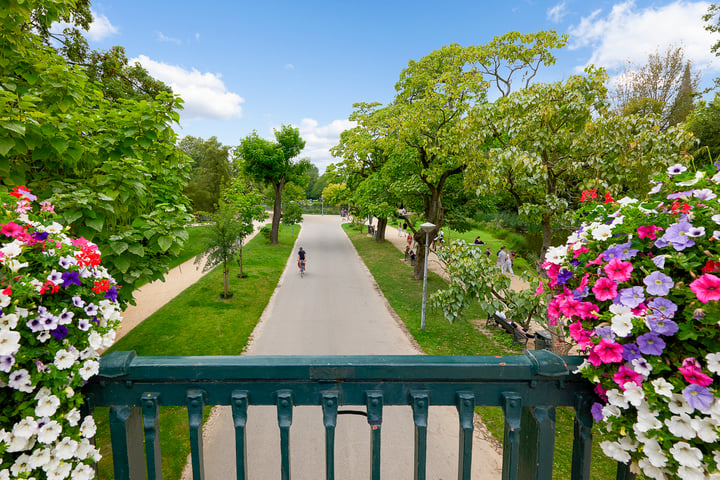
[334, 310]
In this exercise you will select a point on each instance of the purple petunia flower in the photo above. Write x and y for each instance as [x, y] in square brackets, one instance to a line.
[698, 397]
[54, 277]
[91, 310]
[631, 297]
[35, 324]
[65, 262]
[677, 236]
[605, 332]
[695, 232]
[71, 278]
[580, 294]
[656, 188]
[49, 323]
[662, 326]
[650, 344]
[83, 324]
[658, 283]
[677, 195]
[676, 169]
[6, 363]
[596, 411]
[613, 252]
[659, 261]
[626, 253]
[662, 307]
[630, 352]
[704, 194]
[78, 301]
[60, 332]
[111, 294]
[39, 236]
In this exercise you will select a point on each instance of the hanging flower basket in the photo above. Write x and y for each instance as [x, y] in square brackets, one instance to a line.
[58, 306]
[637, 289]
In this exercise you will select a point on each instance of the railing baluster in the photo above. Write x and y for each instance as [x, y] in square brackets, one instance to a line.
[537, 442]
[151, 415]
[624, 473]
[239, 403]
[330, 409]
[284, 410]
[512, 407]
[374, 416]
[196, 405]
[582, 439]
[420, 405]
[126, 437]
[465, 404]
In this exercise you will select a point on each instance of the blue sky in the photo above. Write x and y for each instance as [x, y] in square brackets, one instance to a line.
[255, 65]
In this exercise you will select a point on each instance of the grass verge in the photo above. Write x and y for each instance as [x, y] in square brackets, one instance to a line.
[394, 277]
[197, 323]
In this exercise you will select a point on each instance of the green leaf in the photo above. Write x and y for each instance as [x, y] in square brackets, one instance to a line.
[59, 144]
[13, 125]
[137, 249]
[165, 242]
[6, 144]
[95, 223]
[118, 247]
[121, 263]
[71, 215]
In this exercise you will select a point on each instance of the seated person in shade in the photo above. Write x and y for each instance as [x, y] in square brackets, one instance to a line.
[412, 256]
[478, 241]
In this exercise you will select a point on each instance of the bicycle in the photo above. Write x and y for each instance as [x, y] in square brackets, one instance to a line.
[302, 269]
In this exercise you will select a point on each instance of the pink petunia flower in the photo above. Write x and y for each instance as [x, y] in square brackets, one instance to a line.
[569, 308]
[79, 242]
[579, 334]
[695, 375]
[648, 232]
[608, 351]
[580, 251]
[625, 375]
[618, 271]
[11, 229]
[597, 260]
[588, 310]
[540, 289]
[706, 288]
[605, 289]
[47, 207]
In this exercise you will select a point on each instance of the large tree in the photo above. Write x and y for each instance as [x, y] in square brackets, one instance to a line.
[272, 163]
[704, 123]
[210, 172]
[111, 165]
[546, 143]
[663, 86]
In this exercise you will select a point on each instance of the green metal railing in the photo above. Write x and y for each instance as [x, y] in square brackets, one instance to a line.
[527, 387]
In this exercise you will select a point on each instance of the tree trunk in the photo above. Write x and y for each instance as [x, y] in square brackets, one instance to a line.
[546, 235]
[226, 282]
[380, 232]
[277, 212]
[433, 214]
[240, 260]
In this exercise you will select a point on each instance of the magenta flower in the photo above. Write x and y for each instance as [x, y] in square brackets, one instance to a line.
[695, 376]
[605, 289]
[608, 351]
[47, 207]
[11, 229]
[658, 284]
[648, 232]
[618, 271]
[627, 375]
[706, 288]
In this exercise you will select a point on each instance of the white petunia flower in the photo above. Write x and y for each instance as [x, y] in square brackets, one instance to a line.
[39, 457]
[109, 339]
[9, 341]
[73, 417]
[60, 472]
[83, 472]
[602, 232]
[706, 429]
[687, 455]
[65, 449]
[615, 451]
[95, 340]
[5, 474]
[19, 444]
[89, 369]
[49, 432]
[681, 426]
[651, 470]
[713, 362]
[64, 359]
[617, 398]
[21, 465]
[662, 387]
[622, 325]
[25, 428]
[8, 321]
[633, 394]
[87, 429]
[688, 183]
[556, 254]
[641, 366]
[84, 449]
[678, 404]
[54, 228]
[646, 420]
[20, 380]
[655, 453]
[691, 473]
[610, 411]
[47, 406]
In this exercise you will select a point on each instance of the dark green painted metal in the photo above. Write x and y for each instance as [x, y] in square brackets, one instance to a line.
[374, 416]
[151, 419]
[535, 379]
[537, 443]
[126, 438]
[466, 414]
[512, 408]
[196, 405]
[330, 410]
[624, 473]
[420, 402]
[284, 412]
[582, 439]
[239, 402]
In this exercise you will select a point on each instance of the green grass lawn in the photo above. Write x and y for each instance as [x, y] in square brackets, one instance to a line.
[199, 322]
[440, 337]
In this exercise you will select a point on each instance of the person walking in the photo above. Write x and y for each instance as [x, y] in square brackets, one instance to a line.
[509, 264]
[501, 257]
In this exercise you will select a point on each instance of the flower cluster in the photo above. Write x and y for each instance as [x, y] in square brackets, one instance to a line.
[637, 288]
[58, 307]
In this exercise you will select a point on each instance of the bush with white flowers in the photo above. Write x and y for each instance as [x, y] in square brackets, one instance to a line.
[638, 289]
[58, 306]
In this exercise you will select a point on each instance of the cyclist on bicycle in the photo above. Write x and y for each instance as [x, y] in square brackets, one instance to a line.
[301, 258]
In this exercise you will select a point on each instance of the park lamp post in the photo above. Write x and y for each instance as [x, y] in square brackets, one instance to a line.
[426, 227]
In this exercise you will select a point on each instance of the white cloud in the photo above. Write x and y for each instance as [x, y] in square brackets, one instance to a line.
[197, 36]
[630, 33]
[164, 38]
[289, 66]
[101, 28]
[204, 94]
[556, 13]
[319, 139]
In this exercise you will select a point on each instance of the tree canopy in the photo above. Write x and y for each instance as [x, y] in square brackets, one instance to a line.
[210, 172]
